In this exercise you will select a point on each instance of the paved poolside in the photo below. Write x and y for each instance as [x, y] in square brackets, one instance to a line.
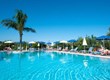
[66, 52]
[84, 54]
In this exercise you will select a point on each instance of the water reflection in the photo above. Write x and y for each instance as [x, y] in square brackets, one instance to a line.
[85, 62]
[31, 56]
[52, 56]
[8, 52]
[63, 61]
[1, 57]
[64, 58]
[104, 60]
[22, 55]
[6, 56]
[38, 54]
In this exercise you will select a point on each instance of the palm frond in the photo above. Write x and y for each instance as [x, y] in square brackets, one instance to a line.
[9, 23]
[29, 29]
[20, 17]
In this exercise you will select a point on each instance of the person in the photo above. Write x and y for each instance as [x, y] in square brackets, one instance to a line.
[105, 52]
[7, 49]
[101, 49]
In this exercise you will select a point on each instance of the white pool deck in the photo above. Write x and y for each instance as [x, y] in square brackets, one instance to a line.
[67, 52]
[83, 54]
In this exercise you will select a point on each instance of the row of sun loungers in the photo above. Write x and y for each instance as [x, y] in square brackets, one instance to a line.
[101, 51]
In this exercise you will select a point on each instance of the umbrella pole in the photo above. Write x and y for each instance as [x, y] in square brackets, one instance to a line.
[26, 47]
[73, 45]
[103, 44]
[84, 49]
[9, 45]
[57, 47]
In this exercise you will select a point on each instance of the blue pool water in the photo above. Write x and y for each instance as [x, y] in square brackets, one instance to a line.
[53, 66]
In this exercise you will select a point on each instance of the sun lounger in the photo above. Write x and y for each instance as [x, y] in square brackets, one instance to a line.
[59, 49]
[66, 49]
[105, 52]
[108, 52]
[7, 49]
[96, 52]
[74, 50]
[90, 50]
[19, 48]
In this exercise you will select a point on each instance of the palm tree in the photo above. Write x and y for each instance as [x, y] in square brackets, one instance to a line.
[18, 23]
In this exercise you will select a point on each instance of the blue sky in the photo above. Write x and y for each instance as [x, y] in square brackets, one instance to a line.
[57, 19]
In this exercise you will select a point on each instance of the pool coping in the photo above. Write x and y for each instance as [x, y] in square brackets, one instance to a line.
[67, 52]
[83, 54]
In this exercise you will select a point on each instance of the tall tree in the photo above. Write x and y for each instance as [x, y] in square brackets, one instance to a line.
[18, 23]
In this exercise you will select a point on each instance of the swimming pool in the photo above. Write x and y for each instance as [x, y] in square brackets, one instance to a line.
[53, 66]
